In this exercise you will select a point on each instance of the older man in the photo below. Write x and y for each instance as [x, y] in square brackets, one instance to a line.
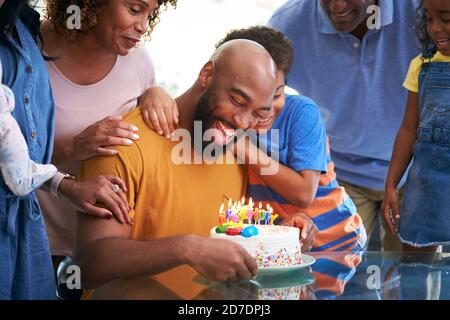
[174, 206]
[351, 57]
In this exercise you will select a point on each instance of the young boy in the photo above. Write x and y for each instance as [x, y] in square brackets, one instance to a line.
[306, 181]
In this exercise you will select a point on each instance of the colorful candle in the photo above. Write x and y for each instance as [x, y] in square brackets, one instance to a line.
[267, 215]
[228, 211]
[221, 215]
[260, 213]
[243, 213]
[233, 215]
[255, 215]
[273, 218]
[249, 215]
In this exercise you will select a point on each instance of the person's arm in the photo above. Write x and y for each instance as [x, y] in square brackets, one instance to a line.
[83, 195]
[299, 181]
[105, 250]
[95, 140]
[401, 157]
[299, 188]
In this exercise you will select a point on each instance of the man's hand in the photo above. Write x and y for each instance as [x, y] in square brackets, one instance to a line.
[308, 230]
[84, 195]
[219, 260]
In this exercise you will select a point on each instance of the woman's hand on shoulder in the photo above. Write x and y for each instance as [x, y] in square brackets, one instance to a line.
[108, 191]
[97, 139]
[159, 110]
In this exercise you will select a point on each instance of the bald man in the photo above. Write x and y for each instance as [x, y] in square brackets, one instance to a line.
[174, 206]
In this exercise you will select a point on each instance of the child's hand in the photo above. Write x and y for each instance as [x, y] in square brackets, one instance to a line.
[245, 150]
[159, 110]
[308, 230]
[390, 209]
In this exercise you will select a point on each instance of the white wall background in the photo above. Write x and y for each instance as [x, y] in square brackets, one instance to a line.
[185, 37]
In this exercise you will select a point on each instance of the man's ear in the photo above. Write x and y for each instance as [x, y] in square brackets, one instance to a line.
[206, 74]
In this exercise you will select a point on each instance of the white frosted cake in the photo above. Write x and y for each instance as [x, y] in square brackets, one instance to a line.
[270, 245]
[288, 293]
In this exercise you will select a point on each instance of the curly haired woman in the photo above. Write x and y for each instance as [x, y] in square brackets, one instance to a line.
[98, 72]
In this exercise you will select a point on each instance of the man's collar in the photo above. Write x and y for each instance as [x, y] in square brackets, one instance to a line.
[326, 27]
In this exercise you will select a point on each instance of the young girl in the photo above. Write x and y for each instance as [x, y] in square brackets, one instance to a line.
[424, 137]
[22, 175]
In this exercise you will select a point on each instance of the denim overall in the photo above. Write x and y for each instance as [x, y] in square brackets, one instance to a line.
[425, 219]
[26, 270]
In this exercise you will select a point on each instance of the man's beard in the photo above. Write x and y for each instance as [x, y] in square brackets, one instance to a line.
[204, 114]
[204, 111]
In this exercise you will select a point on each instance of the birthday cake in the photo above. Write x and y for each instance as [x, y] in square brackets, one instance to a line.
[272, 246]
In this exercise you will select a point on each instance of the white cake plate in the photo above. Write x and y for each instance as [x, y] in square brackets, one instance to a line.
[307, 261]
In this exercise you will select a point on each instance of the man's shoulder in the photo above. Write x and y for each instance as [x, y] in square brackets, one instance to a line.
[142, 155]
[142, 149]
[148, 138]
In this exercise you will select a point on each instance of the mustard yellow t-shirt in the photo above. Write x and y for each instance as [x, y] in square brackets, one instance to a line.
[412, 78]
[168, 199]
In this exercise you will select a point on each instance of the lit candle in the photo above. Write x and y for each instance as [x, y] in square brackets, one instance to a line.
[243, 212]
[221, 215]
[260, 213]
[255, 215]
[233, 215]
[250, 211]
[227, 214]
[267, 217]
[273, 218]
[228, 211]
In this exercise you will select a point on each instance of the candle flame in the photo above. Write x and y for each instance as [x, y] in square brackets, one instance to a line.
[221, 208]
[229, 203]
[243, 200]
[260, 205]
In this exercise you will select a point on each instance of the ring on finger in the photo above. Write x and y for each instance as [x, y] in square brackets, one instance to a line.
[115, 188]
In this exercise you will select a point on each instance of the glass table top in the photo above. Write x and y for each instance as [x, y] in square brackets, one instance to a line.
[333, 276]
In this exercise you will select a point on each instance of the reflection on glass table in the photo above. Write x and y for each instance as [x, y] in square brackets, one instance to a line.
[333, 276]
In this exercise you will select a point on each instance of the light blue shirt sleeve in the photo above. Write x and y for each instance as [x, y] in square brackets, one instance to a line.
[306, 137]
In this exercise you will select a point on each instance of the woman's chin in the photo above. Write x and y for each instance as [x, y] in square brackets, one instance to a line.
[123, 52]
